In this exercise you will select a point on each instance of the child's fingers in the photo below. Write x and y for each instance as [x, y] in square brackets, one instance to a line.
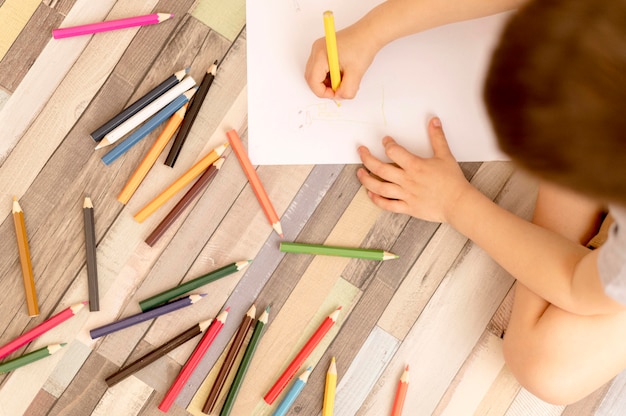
[438, 138]
[385, 171]
[385, 189]
[316, 70]
[398, 154]
[392, 205]
[349, 85]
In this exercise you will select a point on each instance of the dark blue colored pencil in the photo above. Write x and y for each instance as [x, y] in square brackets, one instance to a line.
[144, 316]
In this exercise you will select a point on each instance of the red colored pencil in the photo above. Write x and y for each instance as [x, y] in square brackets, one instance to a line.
[403, 385]
[193, 361]
[304, 353]
[40, 329]
[255, 182]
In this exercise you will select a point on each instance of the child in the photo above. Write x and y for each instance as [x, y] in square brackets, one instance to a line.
[555, 92]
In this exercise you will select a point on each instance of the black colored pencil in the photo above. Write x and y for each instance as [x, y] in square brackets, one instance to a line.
[190, 117]
[90, 247]
[134, 108]
[152, 356]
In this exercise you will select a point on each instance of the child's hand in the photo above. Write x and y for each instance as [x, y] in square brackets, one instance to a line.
[356, 53]
[426, 188]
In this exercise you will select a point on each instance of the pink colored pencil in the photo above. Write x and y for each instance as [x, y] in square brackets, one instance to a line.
[149, 19]
[40, 329]
[304, 353]
[193, 361]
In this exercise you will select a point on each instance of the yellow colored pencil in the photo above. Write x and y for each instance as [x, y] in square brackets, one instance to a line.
[180, 183]
[24, 251]
[329, 389]
[331, 50]
[153, 154]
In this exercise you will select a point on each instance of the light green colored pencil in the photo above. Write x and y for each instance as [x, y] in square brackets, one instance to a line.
[319, 249]
[30, 358]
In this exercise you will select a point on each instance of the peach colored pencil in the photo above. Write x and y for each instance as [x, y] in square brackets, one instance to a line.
[254, 180]
[24, 251]
[153, 154]
[180, 183]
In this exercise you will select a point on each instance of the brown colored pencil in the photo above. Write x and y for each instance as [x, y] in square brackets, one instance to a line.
[90, 247]
[232, 353]
[27, 267]
[152, 356]
[194, 109]
[197, 187]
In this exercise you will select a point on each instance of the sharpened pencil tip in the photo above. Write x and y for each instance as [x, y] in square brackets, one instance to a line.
[227, 309]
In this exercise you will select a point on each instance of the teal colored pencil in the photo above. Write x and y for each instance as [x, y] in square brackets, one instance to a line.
[292, 394]
[29, 358]
[319, 249]
[177, 291]
[245, 362]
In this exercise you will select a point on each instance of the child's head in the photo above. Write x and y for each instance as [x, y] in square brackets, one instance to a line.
[556, 94]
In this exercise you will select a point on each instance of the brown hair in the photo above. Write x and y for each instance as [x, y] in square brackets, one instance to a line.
[556, 94]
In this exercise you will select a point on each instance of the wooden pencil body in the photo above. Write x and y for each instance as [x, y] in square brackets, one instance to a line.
[90, 247]
[25, 262]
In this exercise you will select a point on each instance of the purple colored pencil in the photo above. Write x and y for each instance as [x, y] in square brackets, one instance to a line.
[144, 316]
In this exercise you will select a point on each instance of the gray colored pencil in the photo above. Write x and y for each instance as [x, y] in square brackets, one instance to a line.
[90, 247]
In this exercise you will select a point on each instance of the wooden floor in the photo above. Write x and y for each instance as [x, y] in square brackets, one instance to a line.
[441, 308]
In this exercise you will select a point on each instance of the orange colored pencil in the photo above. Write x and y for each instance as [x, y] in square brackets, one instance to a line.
[304, 353]
[181, 182]
[403, 385]
[27, 267]
[254, 180]
[148, 161]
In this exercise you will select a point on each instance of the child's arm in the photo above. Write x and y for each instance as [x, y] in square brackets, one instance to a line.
[560, 271]
[359, 43]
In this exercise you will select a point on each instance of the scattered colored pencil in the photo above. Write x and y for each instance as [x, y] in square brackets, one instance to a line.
[304, 353]
[319, 249]
[106, 26]
[132, 109]
[194, 109]
[259, 328]
[184, 202]
[293, 393]
[154, 355]
[186, 287]
[193, 361]
[146, 112]
[403, 385]
[145, 129]
[229, 360]
[25, 262]
[148, 161]
[40, 329]
[329, 389]
[29, 358]
[331, 50]
[254, 180]
[90, 247]
[181, 182]
[144, 316]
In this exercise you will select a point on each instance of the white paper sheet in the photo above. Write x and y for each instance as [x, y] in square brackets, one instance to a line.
[437, 72]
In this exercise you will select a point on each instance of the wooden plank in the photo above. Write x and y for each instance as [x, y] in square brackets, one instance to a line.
[527, 404]
[364, 370]
[225, 17]
[474, 379]
[500, 395]
[14, 15]
[31, 41]
[46, 74]
[126, 399]
[614, 402]
[40, 405]
[75, 355]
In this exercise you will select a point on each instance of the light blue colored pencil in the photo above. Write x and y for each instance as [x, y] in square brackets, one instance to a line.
[293, 393]
[148, 126]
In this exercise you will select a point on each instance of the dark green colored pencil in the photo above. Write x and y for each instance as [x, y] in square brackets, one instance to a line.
[177, 291]
[29, 358]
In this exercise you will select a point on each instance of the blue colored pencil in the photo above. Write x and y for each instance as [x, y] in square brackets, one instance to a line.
[148, 126]
[144, 316]
[293, 393]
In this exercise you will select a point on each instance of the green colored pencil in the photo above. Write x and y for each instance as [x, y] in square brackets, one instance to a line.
[177, 291]
[29, 358]
[245, 362]
[319, 249]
